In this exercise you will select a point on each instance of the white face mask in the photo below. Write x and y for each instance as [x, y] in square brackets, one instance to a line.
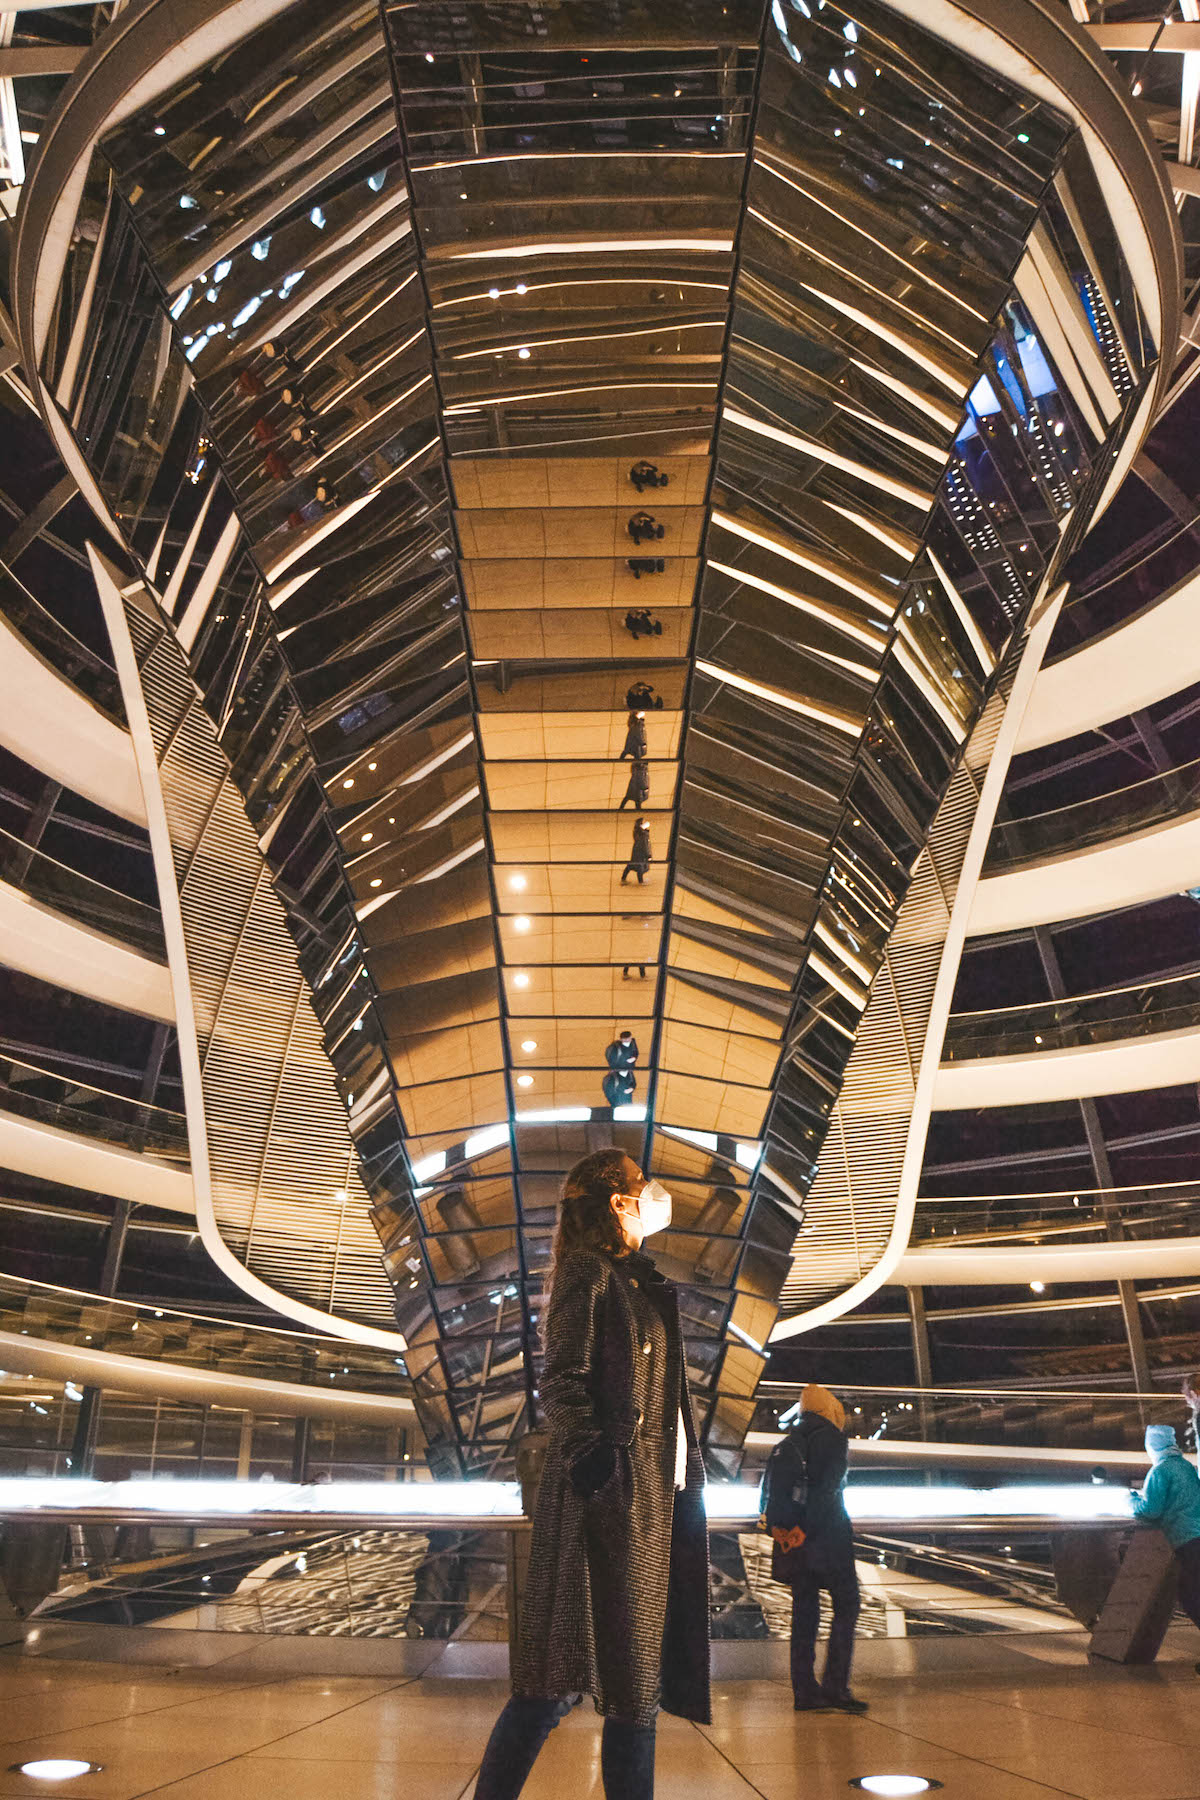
[654, 1208]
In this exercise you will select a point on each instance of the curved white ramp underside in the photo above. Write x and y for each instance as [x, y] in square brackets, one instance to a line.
[50, 725]
[198, 1387]
[1147, 865]
[1122, 1067]
[1051, 1263]
[44, 943]
[31, 1148]
[1150, 657]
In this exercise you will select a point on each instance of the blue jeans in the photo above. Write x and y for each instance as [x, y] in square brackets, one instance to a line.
[626, 1752]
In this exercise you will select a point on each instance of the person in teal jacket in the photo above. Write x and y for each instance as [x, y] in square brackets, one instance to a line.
[1170, 1499]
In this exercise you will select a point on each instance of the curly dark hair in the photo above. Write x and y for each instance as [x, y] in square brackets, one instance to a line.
[585, 1218]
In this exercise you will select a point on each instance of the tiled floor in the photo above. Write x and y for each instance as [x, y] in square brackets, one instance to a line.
[1008, 1723]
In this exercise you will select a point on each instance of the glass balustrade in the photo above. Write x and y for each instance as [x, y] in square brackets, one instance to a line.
[77, 1106]
[1168, 795]
[1113, 1015]
[1168, 1209]
[77, 896]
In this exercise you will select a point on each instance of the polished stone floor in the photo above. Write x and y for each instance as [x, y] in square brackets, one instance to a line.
[990, 1719]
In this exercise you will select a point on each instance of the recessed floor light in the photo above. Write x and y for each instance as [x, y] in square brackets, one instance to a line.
[56, 1768]
[895, 1784]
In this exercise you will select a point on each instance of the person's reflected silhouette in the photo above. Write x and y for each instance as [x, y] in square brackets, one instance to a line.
[635, 737]
[639, 855]
[638, 791]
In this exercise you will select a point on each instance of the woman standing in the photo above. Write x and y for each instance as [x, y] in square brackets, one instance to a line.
[617, 1598]
[813, 1547]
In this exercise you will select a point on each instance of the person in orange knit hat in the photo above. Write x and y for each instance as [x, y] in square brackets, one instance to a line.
[813, 1547]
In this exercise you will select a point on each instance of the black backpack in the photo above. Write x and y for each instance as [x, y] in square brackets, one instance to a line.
[783, 1497]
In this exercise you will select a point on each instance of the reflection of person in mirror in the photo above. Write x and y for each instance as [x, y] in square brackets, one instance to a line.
[639, 855]
[641, 694]
[616, 1604]
[638, 791]
[622, 1053]
[635, 736]
[643, 525]
[639, 623]
[619, 1086]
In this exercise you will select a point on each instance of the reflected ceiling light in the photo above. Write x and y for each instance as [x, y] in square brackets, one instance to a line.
[529, 1045]
[1038, 1287]
[367, 836]
[895, 1784]
[372, 766]
[518, 883]
[493, 293]
[349, 781]
[521, 923]
[521, 979]
[523, 353]
[524, 1080]
[377, 882]
[55, 1768]
[341, 1196]
[429, 56]
[521, 288]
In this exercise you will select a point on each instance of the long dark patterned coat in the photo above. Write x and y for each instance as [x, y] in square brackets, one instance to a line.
[617, 1599]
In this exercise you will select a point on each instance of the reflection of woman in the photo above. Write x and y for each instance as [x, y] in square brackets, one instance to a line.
[635, 736]
[617, 1597]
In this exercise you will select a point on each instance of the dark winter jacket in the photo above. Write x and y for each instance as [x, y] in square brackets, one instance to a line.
[639, 855]
[611, 1537]
[622, 1053]
[813, 1456]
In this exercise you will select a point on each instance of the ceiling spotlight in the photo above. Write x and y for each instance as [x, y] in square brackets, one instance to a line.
[521, 979]
[367, 836]
[529, 1045]
[429, 56]
[523, 354]
[378, 881]
[1038, 1287]
[372, 766]
[518, 883]
[521, 288]
[341, 1196]
[349, 781]
[56, 1768]
[895, 1784]
[521, 923]
[524, 1080]
[493, 293]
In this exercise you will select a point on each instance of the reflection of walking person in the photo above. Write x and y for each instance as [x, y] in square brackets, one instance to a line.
[617, 1601]
[619, 1086]
[635, 737]
[639, 855]
[638, 790]
[813, 1547]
